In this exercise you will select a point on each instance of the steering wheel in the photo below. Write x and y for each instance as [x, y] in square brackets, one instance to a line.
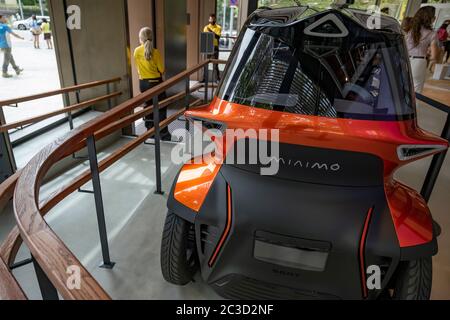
[360, 91]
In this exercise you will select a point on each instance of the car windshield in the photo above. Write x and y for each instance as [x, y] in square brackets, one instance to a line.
[364, 80]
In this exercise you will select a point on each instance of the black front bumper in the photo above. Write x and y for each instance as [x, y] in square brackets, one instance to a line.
[301, 216]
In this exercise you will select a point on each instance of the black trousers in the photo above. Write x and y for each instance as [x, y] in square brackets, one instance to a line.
[216, 70]
[146, 85]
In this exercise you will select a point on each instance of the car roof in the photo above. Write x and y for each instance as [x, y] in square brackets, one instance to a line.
[287, 16]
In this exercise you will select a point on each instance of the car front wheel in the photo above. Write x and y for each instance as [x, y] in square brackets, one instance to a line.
[178, 251]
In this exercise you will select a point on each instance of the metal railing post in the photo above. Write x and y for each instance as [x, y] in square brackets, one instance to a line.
[93, 161]
[108, 92]
[69, 114]
[436, 165]
[48, 290]
[206, 82]
[188, 93]
[213, 76]
[157, 145]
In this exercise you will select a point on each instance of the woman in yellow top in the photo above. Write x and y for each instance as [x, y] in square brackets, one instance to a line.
[45, 26]
[151, 69]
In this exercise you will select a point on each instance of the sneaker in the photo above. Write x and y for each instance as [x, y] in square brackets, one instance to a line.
[6, 75]
[19, 71]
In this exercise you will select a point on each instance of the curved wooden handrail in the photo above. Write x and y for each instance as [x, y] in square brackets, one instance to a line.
[47, 249]
[9, 288]
[7, 189]
[10, 247]
[56, 92]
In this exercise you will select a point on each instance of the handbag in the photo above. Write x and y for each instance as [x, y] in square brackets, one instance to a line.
[36, 32]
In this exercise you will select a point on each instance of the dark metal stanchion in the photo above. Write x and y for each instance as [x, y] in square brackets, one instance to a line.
[157, 145]
[70, 120]
[46, 287]
[206, 82]
[213, 76]
[20, 264]
[92, 152]
[436, 165]
[108, 92]
[69, 114]
[188, 93]
[71, 125]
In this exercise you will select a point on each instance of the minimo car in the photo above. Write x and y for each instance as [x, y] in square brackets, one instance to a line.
[332, 223]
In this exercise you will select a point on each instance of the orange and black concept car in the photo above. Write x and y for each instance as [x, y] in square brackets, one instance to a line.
[332, 222]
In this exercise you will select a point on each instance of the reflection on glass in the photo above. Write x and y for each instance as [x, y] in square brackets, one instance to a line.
[363, 78]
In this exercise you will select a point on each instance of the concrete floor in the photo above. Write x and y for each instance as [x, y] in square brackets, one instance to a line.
[135, 218]
[40, 75]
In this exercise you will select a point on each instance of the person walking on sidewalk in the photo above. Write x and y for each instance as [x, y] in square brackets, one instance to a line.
[5, 47]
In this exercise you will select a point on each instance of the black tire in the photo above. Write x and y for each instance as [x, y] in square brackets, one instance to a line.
[178, 251]
[22, 27]
[414, 280]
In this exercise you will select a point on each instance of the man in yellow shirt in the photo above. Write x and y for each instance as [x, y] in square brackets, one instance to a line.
[213, 27]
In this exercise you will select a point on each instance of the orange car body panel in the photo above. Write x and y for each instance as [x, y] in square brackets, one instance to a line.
[195, 180]
[411, 217]
[410, 214]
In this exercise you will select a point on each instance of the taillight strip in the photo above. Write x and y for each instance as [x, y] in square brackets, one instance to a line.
[362, 247]
[227, 230]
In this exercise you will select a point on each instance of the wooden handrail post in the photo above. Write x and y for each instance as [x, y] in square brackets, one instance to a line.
[156, 123]
[93, 161]
[48, 290]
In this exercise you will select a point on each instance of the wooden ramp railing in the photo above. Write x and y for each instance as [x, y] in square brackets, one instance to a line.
[68, 109]
[51, 257]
